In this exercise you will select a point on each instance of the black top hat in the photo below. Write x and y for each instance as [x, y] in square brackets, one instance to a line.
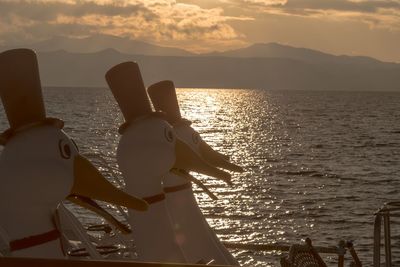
[126, 84]
[21, 91]
[163, 97]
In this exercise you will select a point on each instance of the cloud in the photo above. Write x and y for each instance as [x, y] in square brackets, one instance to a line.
[364, 6]
[157, 21]
[377, 13]
[339, 5]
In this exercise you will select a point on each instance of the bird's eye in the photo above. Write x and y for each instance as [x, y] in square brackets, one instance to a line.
[169, 135]
[65, 149]
[195, 138]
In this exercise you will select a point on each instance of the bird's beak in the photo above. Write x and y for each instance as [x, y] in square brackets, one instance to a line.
[217, 159]
[90, 184]
[188, 159]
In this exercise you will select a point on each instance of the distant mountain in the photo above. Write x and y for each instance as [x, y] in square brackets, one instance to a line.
[83, 62]
[304, 54]
[100, 42]
[61, 68]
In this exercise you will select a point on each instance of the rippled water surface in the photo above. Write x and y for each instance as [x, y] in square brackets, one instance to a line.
[317, 164]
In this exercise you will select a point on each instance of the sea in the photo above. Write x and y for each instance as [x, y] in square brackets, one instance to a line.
[317, 164]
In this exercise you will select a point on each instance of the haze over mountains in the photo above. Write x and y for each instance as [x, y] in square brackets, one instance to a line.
[83, 62]
[101, 42]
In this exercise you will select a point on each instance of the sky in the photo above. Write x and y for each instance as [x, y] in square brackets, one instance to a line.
[351, 27]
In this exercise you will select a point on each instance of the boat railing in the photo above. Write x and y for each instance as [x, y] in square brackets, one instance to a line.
[384, 214]
[339, 250]
[37, 262]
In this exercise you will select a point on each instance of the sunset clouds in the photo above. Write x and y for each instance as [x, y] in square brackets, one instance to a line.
[379, 13]
[370, 27]
[161, 21]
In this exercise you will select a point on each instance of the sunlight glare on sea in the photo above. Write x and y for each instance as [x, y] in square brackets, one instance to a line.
[317, 164]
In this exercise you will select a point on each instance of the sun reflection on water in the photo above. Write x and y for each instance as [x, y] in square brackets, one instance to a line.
[246, 211]
[298, 156]
[315, 164]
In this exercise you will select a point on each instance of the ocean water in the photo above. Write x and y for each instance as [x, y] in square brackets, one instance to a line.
[317, 164]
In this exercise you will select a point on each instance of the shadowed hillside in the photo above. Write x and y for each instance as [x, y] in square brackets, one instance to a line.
[101, 42]
[303, 54]
[83, 62]
[61, 68]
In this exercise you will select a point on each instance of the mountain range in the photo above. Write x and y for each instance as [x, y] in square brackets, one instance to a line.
[99, 42]
[83, 62]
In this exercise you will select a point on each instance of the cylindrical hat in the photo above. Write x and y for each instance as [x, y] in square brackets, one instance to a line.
[126, 84]
[20, 88]
[163, 96]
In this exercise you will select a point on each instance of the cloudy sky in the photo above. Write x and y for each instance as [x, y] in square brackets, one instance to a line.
[352, 27]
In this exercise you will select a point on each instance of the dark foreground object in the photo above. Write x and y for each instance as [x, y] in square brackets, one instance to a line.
[22, 262]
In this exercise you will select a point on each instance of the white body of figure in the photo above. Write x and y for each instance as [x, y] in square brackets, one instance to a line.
[40, 166]
[147, 151]
[186, 215]
[181, 204]
[34, 176]
[144, 157]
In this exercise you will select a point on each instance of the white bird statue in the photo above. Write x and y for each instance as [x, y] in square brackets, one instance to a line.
[180, 200]
[147, 151]
[40, 166]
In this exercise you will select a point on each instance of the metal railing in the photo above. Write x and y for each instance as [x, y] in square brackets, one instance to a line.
[339, 250]
[385, 213]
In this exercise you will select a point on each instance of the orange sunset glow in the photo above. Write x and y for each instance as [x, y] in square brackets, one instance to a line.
[351, 27]
[181, 133]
